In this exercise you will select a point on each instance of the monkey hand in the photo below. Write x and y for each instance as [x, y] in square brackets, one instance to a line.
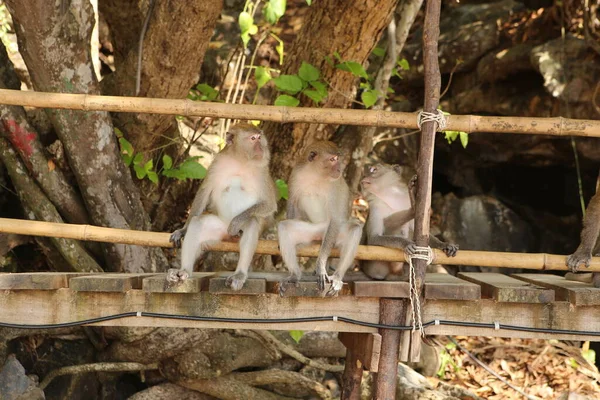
[236, 281]
[413, 182]
[450, 249]
[235, 226]
[177, 236]
[411, 249]
[177, 276]
[336, 285]
[578, 258]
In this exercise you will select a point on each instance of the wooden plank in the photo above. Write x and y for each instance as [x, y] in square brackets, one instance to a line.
[304, 289]
[365, 346]
[107, 282]
[159, 284]
[352, 377]
[448, 287]
[66, 305]
[36, 280]
[251, 286]
[577, 293]
[501, 287]
[396, 289]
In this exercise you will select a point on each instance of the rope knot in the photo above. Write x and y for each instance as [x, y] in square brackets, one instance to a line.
[419, 253]
[438, 117]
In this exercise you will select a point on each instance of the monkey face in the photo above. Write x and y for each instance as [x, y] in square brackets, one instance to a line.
[378, 177]
[249, 140]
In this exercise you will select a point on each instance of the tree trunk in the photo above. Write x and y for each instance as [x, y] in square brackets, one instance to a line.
[54, 42]
[176, 39]
[352, 28]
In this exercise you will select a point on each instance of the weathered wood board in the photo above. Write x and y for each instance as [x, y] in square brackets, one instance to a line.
[507, 289]
[448, 287]
[577, 293]
[366, 347]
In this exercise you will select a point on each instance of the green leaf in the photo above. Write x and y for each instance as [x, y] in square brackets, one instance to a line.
[274, 10]
[282, 189]
[153, 177]
[279, 47]
[247, 27]
[354, 68]
[209, 92]
[390, 90]
[369, 97]
[309, 2]
[308, 72]
[296, 335]
[379, 52]
[320, 86]
[403, 64]
[464, 138]
[140, 172]
[167, 161]
[262, 76]
[451, 136]
[192, 169]
[329, 61]
[288, 83]
[589, 355]
[138, 159]
[285, 100]
[175, 173]
[148, 166]
[337, 56]
[127, 159]
[126, 147]
[118, 133]
[313, 95]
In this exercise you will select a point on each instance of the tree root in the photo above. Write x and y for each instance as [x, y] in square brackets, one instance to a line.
[276, 376]
[273, 341]
[228, 388]
[96, 367]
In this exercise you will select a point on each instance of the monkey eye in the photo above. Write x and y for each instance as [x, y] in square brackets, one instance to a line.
[373, 170]
[333, 159]
[254, 137]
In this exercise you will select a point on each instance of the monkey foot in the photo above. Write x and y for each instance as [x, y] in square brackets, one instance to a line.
[410, 250]
[336, 286]
[322, 281]
[576, 259]
[177, 276]
[236, 281]
[176, 237]
[291, 280]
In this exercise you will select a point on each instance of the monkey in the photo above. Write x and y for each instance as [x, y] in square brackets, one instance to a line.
[241, 198]
[318, 209]
[589, 239]
[391, 217]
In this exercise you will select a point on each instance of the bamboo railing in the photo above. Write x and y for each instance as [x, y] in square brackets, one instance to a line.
[467, 123]
[535, 261]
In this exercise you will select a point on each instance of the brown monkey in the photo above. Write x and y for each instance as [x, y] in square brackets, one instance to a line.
[391, 217]
[239, 194]
[589, 236]
[319, 210]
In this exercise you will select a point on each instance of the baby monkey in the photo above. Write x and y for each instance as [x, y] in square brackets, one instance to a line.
[391, 217]
[239, 195]
[318, 209]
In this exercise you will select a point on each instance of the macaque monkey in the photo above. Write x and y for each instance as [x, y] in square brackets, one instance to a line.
[318, 209]
[391, 217]
[239, 195]
[589, 238]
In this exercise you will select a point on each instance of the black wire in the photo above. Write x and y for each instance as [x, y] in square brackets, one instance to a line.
[296, 320]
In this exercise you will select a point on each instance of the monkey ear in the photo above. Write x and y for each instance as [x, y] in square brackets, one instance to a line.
[312, 155]
[229, 138]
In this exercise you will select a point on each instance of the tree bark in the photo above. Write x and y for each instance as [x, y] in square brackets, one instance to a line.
[54, 42]
[352, 28]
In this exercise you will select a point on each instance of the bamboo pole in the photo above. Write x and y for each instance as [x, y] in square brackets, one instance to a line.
[557, 126]
[534, 261]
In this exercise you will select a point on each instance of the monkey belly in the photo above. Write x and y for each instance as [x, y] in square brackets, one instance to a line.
[314, 208]
[234, 200]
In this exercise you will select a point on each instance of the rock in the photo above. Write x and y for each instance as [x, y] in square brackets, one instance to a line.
[15, 384]
[564, 78]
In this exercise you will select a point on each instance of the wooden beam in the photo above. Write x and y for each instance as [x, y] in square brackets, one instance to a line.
[352, 377]
[578, 293]
[365, 346]
[392, 312]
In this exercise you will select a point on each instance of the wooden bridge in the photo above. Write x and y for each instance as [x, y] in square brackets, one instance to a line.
[472, 304]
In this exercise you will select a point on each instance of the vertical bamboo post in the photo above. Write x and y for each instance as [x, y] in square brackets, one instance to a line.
[431, 32]
[391, 312]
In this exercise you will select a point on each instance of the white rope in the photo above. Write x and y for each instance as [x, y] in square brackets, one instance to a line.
[421, 253]
[438, 117]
